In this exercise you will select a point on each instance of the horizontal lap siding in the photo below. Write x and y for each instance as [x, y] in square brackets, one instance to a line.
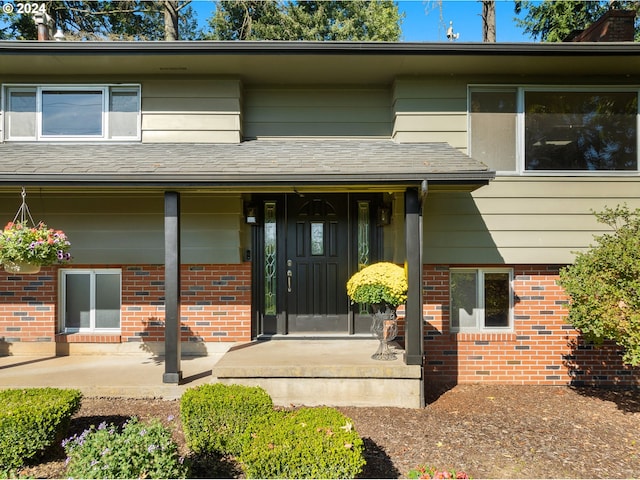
[521, 220]
[279, 112]
[191, 111]
[129, 229]
[430, 110]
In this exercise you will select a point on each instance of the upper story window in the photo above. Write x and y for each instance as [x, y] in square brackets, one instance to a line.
[72, 113]
[555, 130]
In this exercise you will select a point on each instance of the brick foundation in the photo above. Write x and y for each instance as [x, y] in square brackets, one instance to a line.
[541, 350]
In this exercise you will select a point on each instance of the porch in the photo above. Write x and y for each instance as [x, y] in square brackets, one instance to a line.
[293, 371]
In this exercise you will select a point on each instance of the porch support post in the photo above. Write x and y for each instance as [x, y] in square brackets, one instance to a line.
[172, 372]
[413, 317]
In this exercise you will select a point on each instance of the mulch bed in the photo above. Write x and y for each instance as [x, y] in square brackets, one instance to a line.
[489, 431]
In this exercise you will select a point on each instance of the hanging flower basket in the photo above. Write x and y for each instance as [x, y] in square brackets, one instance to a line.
[24, 247]
[22, 268]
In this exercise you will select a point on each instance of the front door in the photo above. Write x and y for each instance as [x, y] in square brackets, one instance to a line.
[317, 263]
[306, 247]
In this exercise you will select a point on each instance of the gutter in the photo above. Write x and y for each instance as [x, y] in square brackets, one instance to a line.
[319, 48]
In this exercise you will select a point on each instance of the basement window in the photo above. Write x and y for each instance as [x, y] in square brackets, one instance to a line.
[481, 299]
[90, 300]
[72, 113]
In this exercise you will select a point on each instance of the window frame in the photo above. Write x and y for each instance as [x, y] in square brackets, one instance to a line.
[479, 312]
[106, 90]
[519, 147]
[62, 275]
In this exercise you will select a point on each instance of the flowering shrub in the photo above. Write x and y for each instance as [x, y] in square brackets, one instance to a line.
[424, 471]
[381, 282]
[39, 245]
[139, 451]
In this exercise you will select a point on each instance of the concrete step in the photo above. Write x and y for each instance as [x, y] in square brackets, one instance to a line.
[323, 372]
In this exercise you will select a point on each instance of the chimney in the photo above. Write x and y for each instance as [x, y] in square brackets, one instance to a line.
[613, 26]
[43, 23]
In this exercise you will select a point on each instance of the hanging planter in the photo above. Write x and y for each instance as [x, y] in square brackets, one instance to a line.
[25, 246]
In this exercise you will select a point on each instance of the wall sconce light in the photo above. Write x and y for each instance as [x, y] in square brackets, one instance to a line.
[251, 215]
[384, 216]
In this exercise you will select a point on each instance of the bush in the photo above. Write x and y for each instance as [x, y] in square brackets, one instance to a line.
[139, 451]
[603, 285]
[214, 416]
[305, 443]
[33, 419]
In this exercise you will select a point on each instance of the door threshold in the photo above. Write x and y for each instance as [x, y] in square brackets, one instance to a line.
[316, 336]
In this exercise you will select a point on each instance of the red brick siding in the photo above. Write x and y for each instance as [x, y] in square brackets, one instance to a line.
[216, 305]
[542, 349]
[28, 305]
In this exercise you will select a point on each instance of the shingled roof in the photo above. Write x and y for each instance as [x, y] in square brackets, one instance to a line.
[258, 162]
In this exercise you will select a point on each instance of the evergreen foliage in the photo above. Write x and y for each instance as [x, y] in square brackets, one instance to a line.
[553, 21]
[214, 416]
[604, 285]
[31, 421]
[305, 443]
[353, 20]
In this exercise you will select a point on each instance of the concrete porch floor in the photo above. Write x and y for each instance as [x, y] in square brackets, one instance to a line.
[293, 371]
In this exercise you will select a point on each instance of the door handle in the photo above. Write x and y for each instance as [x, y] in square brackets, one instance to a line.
[289, 275]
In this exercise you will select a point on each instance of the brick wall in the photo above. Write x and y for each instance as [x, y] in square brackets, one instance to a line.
[613, 26]
[28, 305]
[542, 349]
[216, 305]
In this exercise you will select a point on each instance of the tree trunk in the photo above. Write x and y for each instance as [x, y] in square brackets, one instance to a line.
[171, 9]
[488, 21]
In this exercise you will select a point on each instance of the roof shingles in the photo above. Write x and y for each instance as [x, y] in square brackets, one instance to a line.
[251, 162]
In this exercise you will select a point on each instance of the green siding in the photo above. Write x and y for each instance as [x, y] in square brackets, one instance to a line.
[129, 229]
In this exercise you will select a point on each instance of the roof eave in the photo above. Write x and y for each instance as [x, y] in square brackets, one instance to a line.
[319, 48]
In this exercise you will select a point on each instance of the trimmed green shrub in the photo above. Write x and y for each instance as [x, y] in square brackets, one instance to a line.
[214, 416]
[305, 443]
[33, 419]
[140, 450]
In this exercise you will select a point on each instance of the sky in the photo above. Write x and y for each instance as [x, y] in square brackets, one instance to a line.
[428, 20]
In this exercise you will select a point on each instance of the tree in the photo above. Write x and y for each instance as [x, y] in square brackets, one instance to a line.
[488, 20]
[99, 20]
[604, 285]
[356, 20]
[553, 21]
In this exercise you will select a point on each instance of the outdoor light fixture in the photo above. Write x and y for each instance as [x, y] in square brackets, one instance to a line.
[251, 215]
[384, 216]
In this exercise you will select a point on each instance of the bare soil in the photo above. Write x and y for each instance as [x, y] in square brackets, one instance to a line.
[489, 431]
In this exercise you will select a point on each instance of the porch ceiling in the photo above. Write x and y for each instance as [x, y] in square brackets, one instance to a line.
[257, 164]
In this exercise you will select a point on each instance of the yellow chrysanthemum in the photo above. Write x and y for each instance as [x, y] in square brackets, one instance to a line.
[381, 282]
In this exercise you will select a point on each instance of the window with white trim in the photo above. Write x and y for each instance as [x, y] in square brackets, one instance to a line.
[71, 112]
[555, 129]
[90, 300]
[481, 299]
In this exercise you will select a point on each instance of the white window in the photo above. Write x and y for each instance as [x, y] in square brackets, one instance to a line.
[79, 112]
[555, 130]
[90, 300]
[481, 299]
[492, 116]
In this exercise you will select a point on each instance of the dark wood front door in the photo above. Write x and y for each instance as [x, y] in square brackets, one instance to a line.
[317, 263]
